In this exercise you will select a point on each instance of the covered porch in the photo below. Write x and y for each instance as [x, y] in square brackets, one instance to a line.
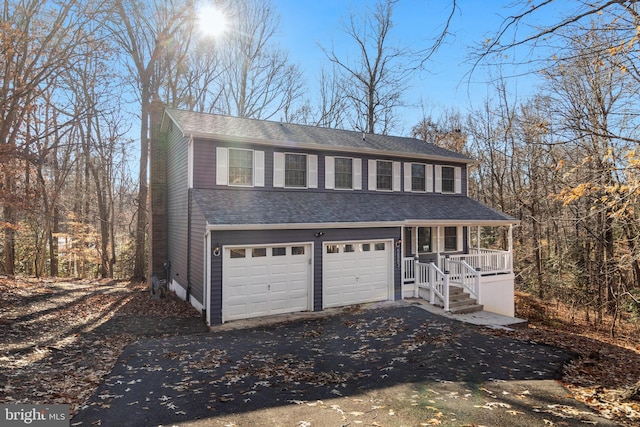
[460, 266]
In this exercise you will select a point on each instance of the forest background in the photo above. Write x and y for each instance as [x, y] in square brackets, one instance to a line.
[77, 78]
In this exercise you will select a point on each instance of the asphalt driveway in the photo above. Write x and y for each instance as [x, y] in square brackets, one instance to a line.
[386, 366]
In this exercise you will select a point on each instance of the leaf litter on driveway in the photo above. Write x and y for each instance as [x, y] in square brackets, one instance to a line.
[393, 365]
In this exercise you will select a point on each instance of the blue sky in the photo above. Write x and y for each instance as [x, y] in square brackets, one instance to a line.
[305, 24]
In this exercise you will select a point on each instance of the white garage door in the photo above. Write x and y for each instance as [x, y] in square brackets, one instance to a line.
[264, 280]
[356, 272]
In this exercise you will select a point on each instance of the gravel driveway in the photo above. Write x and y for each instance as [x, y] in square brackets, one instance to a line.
[384, 366]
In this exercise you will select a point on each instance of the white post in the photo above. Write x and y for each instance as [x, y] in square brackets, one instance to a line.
[510, 266]
[478, 285]
[446, 290]
[416, 275]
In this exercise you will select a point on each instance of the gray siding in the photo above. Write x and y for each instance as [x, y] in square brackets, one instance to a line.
[205, 165]
[223, 238]
[196, 257]
[177, 206]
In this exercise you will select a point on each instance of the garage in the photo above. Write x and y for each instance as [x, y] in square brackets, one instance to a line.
[263, 280]
[356, 272]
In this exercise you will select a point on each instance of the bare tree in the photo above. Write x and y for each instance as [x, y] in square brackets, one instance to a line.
[39, 39]
[143, 29]
[376, 79]
[259, 80]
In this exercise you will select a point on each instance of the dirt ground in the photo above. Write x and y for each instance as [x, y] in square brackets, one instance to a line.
[59, 341]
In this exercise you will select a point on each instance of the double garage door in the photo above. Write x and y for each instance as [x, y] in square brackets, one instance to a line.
[261, 280]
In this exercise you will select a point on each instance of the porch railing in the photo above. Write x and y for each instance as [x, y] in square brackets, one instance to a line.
[465, 276]
[429, 277]
[489, 261]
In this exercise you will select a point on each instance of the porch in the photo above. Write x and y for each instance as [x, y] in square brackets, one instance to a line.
[474, 280]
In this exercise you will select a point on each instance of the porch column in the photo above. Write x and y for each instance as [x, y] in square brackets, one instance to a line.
[511, 247]
[478, 236]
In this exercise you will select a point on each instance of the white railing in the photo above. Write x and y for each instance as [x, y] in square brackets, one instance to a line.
[487, 260]
[462, 274]
[408, 272]
[428, 276]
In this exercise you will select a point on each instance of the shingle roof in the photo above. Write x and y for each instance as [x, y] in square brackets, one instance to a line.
[239, 208]
[229, 128]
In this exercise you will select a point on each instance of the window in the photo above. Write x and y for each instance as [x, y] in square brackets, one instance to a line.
[278, 251]
[418, 177]
[349, 248]
[240, 167]
[295, 170]
[448, 179]
[297, 250]
[258, 252]
[365, 247]
[344, 173]
[237, 253]
[424, 239]
[384, 175]
[450, 238]
[333, 249]
[379, 246]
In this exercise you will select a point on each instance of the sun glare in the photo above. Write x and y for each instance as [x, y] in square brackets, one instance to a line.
[212, 21]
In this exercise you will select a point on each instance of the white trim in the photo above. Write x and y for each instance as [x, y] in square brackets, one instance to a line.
[190, 163]
[329, 172]
[397, 176]
[408, 176]
[457, 184]
[322, 225]
[438, 183]
[312, 170]
[258, 168]
[222, 166]
[356, 164]
[206, 289]
[278, 170]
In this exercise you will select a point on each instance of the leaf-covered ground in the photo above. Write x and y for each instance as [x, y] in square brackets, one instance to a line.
[59, 340]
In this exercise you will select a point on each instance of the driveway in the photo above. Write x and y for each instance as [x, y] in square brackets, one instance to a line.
[390, 365]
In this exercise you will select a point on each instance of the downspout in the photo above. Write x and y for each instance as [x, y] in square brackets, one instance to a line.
[189, 212]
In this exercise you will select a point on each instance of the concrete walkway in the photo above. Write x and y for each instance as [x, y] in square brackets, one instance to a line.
[480, 318]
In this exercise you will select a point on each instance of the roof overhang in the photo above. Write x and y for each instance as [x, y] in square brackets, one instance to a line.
[329, 225]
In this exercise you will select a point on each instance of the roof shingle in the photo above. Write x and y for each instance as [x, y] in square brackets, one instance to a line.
[231, 207]
[291, 135]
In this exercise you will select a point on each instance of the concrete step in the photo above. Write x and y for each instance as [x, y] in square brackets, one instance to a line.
[466, 309]
[462, 302]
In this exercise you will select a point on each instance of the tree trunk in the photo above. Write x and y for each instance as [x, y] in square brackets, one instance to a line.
[139, 270]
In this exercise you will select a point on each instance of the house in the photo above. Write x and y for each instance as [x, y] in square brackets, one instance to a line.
[253, 218]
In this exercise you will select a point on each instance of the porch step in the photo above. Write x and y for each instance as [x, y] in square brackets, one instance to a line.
[461, 302]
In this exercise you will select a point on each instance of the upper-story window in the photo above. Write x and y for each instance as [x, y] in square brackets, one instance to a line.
[295, 170]
[343, 173]
[384, 175]
[418, 177]
[240, 167]
[448, 179]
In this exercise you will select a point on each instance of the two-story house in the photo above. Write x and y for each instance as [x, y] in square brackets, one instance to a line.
[252, 218]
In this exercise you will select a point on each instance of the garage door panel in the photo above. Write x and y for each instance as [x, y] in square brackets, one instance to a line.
[268, 280]
[360, 276]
